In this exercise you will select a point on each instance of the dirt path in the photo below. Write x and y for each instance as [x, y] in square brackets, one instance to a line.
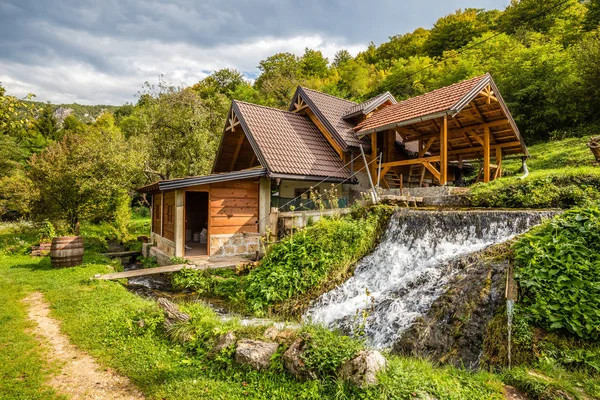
[81, 377]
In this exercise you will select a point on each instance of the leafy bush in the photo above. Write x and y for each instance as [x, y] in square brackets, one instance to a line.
[305, 259]
[558, 269]
[326, 350]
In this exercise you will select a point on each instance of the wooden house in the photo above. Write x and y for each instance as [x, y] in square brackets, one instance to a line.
[270, 158]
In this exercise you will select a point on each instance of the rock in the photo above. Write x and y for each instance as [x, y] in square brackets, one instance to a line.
[293, 363]
[363, 368]
[271, 333]
[223, 341]
[255, 353]
[286, 335]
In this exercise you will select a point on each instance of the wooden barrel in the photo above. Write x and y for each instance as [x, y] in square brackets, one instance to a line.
[66, 251]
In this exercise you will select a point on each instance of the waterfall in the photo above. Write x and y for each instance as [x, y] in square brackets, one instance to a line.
[408, 271]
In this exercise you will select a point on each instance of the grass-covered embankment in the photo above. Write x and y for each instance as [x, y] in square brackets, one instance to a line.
[562, 175]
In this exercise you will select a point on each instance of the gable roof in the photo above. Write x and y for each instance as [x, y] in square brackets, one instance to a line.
[447, 100]
[288, 143]
[330, 110]
[177, 183]
[369, 105]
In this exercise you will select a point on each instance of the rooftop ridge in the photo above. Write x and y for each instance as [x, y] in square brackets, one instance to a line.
[329, 95]
[266, 107]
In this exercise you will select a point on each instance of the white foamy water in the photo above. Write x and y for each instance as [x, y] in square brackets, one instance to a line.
[409, 270]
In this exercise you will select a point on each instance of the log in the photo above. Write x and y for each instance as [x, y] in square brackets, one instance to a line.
[172, 313]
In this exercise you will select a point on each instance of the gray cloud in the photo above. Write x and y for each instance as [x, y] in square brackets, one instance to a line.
[102, 51]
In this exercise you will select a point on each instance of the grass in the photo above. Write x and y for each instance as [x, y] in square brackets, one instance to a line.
[98, 317]
[562, 175]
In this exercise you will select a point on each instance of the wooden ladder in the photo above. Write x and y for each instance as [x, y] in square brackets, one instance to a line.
[416, 175]
[392, 179]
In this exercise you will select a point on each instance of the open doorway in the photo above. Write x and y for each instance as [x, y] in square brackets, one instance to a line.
[196, 224]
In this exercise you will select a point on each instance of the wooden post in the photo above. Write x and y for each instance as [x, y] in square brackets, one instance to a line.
[264, 203]
[179, 225]
[373, 156]
[444, 151]
[162, 213]
[498, 163]
[486, 154]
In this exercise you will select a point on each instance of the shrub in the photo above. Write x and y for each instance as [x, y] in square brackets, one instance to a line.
[326, 350]
[305, 259]
[558, 269]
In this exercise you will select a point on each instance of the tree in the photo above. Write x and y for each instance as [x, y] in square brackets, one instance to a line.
[454, 31]
[178, 130]
[587, 59]
[402, 46]
[84, 177]
[46, 124]
[341, 56]
[535, 15]
[592, 18]
[16, 115]
[224, 81]
[313, 64]
[280, 74]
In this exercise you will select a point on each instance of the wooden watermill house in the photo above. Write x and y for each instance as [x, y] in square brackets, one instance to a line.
[269, 158]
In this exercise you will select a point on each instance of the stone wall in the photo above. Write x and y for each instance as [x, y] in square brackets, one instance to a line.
[238, 244]
[164, 245]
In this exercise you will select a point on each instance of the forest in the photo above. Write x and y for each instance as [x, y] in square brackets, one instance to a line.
[544, 57]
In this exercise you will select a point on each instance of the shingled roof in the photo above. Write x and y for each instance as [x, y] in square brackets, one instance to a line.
[288, 143]
[369, 105]
[330, 110]
[449, 99]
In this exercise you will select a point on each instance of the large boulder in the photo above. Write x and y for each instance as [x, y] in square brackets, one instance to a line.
[363, 368]
[293, 362]
[255, 353]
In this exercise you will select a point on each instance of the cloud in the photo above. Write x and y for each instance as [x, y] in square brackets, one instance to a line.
[101, 52]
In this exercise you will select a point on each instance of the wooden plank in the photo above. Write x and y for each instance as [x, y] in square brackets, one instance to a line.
[233, 211]
[486, 154]
[220, 203]
[237, 151]
[479, 149]
[229, 230]
[247, 184]
[233, 221]
[235, 193]
[443, 175]
[427, 146]
[410, 162]
[433, 171]
[373, 165]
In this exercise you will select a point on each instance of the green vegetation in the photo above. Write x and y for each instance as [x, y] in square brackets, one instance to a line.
[298, 268]
[561, 175]
[558, 269]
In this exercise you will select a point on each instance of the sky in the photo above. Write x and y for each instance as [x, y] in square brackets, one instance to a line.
[102, 51]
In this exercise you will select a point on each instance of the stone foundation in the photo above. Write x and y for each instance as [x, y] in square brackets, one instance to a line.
[164, 245]
[161, 257]
[238, 244]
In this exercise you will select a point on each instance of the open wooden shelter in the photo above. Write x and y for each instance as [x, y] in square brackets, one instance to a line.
[465, 121]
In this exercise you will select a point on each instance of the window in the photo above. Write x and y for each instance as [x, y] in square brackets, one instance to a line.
[169, 214]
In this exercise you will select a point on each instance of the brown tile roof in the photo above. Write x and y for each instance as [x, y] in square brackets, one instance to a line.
[369, 105]
[288, 143]
[444, 99]
[330, 110]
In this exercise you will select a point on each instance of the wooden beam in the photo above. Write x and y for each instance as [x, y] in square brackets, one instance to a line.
[373, 157]
[325, 133]
[433, 171]
[475, 136]
[299, 104]
[427, 146]
[252, 159]
[498, 173]
[443, 152]
[486, 155]
[472, 127]
[480, 149]
[412, 161]
[233, 122]
[237, 151]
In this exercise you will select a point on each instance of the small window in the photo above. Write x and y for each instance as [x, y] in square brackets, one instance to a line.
[169, 214]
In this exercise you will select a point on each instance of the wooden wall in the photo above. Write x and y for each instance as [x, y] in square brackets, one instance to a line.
[156, 203]
[169, 216]
[234, 207]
